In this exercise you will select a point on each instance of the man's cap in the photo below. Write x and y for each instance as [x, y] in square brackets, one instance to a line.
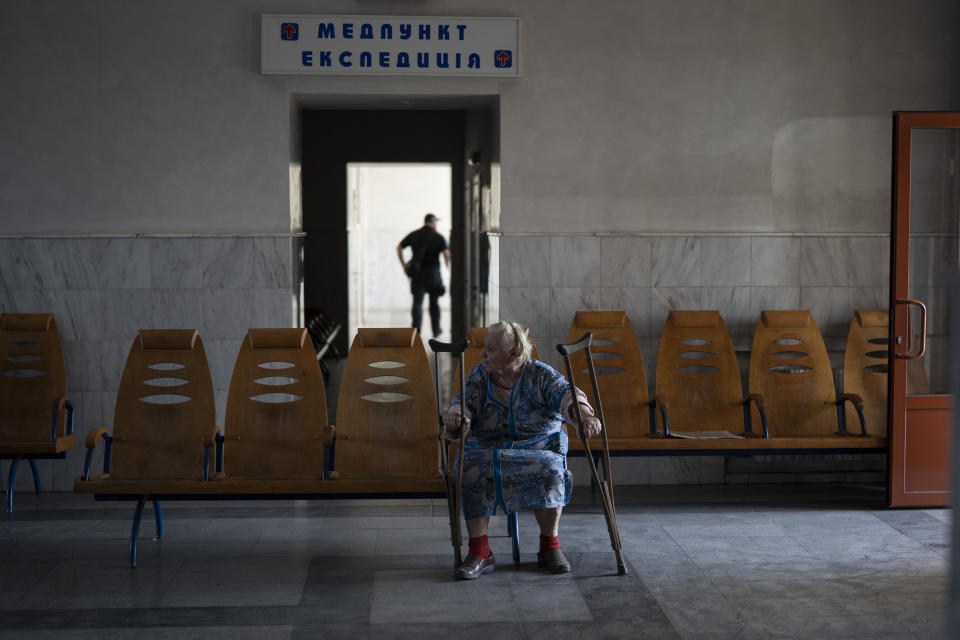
[429, 218]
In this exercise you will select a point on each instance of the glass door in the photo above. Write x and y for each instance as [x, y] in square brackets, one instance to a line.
[924, 271]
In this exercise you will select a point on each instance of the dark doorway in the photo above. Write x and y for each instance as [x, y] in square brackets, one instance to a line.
[334, 138]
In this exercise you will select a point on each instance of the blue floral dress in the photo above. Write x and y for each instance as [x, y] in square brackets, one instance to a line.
[516, 450]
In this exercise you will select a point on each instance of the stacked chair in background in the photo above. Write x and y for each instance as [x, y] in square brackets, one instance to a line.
[323, 330]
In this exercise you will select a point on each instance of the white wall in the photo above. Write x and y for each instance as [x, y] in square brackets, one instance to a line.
[688, 115]
[139, 117]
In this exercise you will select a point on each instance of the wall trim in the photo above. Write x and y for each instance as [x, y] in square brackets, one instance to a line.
[87, 236]
[702, 234]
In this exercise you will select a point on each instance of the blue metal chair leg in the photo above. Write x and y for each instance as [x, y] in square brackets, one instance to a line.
[36, 476]
[513, 528]
[135, 530]
[10, 480]
[158, 516]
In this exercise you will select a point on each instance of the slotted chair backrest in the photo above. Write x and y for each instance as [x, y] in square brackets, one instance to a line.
[164, 407]
[387, 408]
[32, 376]
[276, 409]
[621, 376]
[697, 373]
[865, 369]
[472, 357]
[790, 368]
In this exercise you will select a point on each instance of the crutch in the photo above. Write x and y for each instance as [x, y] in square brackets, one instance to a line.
[606, 486]
[453, 485]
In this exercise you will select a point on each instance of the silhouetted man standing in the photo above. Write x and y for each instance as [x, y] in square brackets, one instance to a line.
[423, 269]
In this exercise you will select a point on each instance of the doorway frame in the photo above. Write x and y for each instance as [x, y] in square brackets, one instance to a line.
[325, 243]
[929, 413]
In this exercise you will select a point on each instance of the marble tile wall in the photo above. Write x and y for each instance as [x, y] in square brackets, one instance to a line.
[544, 280]
[103, 290]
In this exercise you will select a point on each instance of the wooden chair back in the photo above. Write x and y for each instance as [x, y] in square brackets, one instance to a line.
[387, 408]
[789, 367]
[621, 375]
[865, 369]
[472, 357]
[33, 377]
[276, 413]
[164, 407]
[697, 373]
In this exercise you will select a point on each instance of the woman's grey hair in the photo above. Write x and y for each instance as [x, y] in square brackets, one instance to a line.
[516, 338]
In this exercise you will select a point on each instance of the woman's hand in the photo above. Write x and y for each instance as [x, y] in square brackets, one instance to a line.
[590, 427]
[453, 422]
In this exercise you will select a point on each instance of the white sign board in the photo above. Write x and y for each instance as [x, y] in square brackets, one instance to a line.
[389, 45]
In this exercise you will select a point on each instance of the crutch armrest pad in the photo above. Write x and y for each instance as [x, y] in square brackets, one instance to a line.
[455, 348]
[572, 348]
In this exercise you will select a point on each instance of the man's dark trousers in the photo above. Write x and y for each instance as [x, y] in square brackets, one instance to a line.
[425, 283]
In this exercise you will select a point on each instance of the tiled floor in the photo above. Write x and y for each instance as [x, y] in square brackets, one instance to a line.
[705, 562]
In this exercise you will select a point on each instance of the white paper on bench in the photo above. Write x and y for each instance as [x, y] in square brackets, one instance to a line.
[705, 435]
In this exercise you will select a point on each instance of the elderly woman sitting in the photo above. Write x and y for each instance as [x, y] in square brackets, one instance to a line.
[515, 453]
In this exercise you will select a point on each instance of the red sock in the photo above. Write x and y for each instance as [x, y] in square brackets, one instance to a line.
[549, 542]
[480, 547]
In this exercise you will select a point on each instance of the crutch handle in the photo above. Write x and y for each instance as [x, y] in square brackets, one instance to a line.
[455, 348]
[579, 345]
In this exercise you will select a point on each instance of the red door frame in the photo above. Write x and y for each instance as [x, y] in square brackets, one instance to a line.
[918, 474]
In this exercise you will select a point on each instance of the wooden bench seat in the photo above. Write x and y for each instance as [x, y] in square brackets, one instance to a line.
[657, 445]
[699, 393]
[269, 488]
[36, 417]
[276, 428]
